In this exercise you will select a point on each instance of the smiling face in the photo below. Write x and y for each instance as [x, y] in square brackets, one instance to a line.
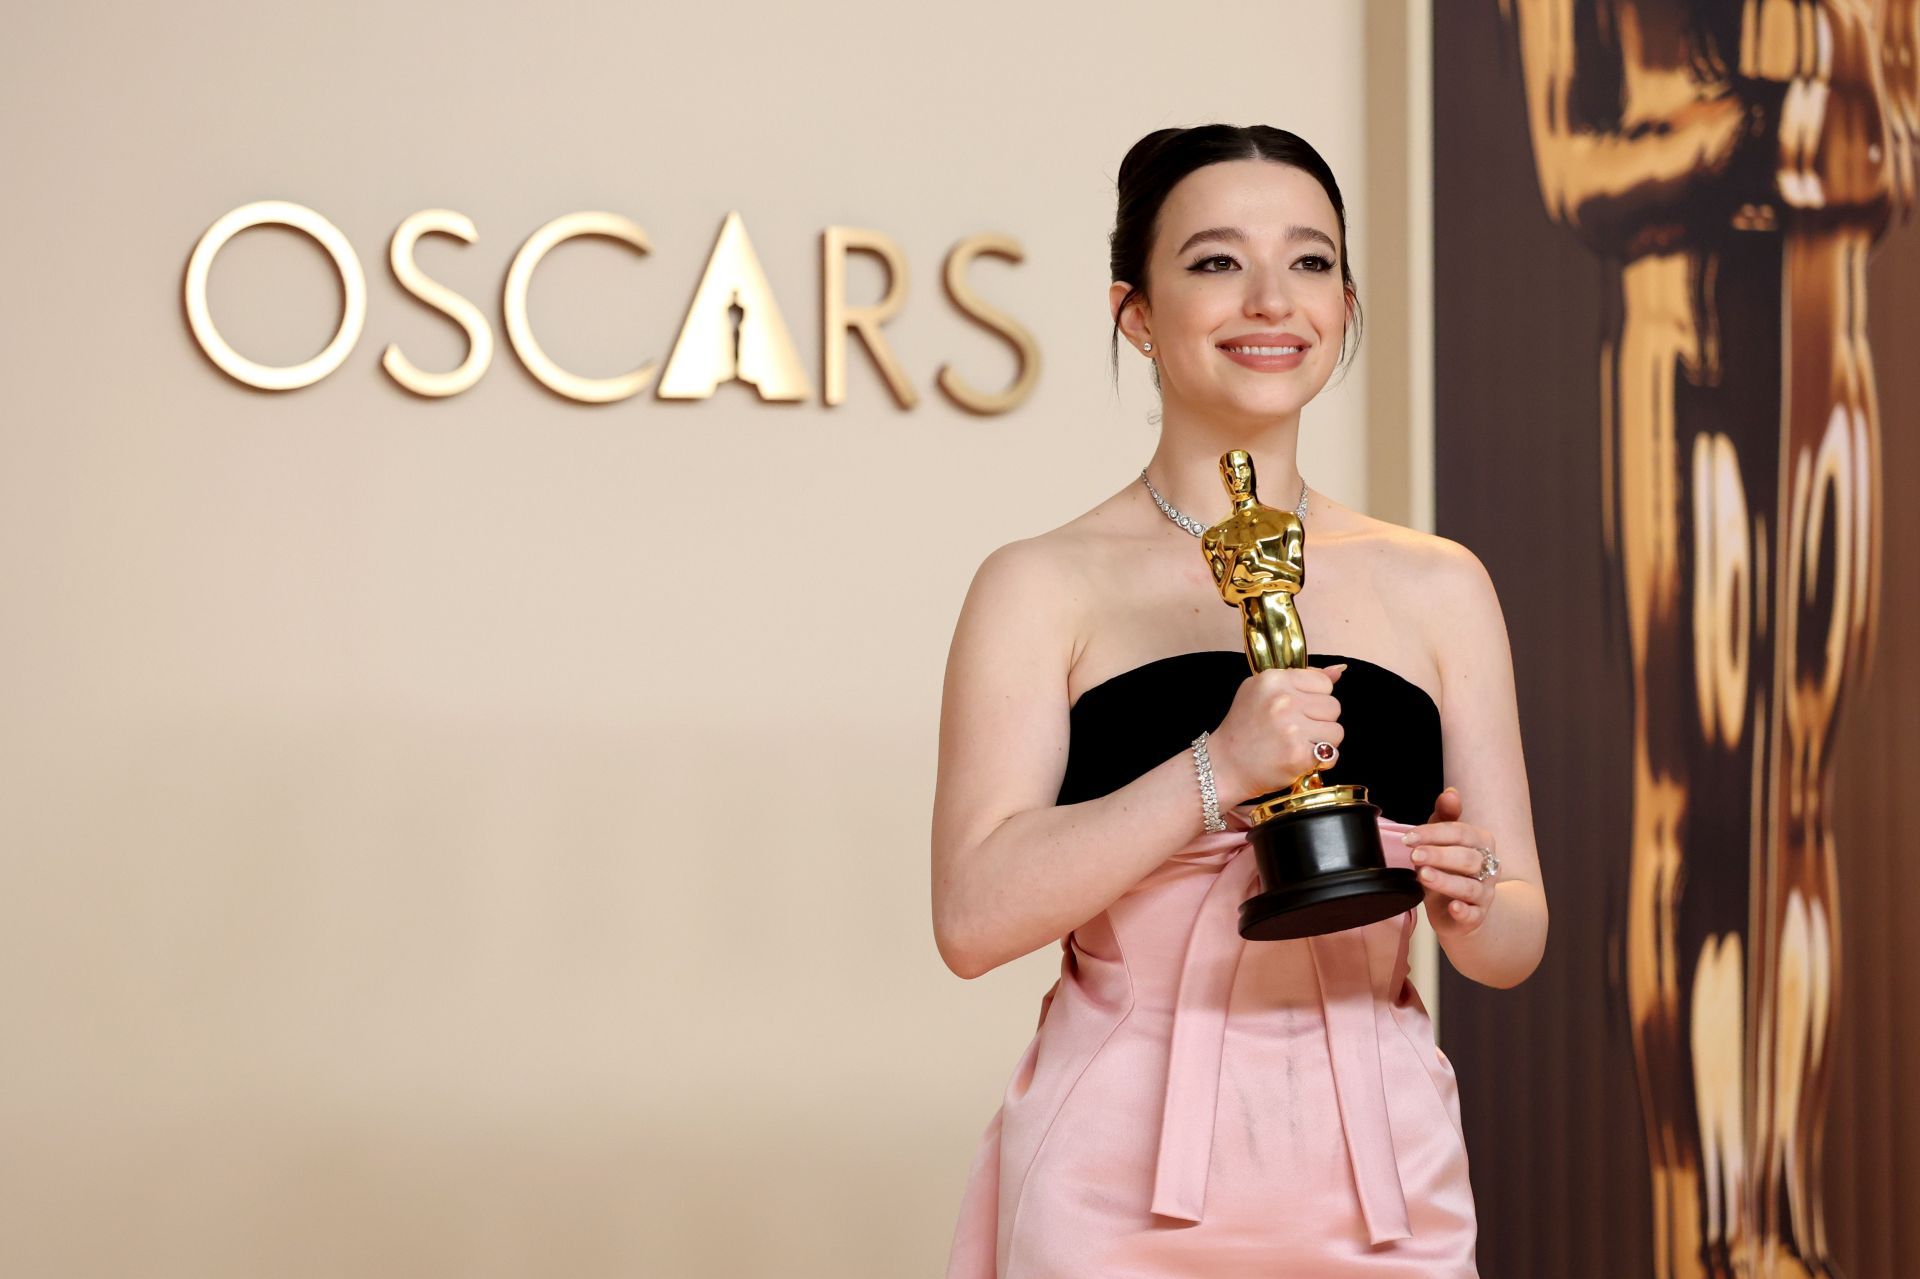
[1247, 307]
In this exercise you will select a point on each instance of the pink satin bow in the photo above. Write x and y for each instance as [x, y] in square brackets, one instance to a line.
[1199, 1026]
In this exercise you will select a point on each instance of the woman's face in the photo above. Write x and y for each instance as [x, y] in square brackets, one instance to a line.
[1246, 254]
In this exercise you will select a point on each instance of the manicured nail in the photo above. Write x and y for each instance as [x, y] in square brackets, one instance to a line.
[1419, 855]
[1428, 875]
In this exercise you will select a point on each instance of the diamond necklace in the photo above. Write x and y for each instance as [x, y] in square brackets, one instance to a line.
[1194, 526]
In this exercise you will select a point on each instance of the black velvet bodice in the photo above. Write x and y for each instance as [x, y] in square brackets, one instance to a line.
[1125, 726]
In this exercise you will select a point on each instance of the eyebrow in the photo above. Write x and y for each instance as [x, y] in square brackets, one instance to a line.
[1236, 235]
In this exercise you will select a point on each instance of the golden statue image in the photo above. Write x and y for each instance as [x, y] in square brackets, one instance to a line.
[1731, 164]
[1258, 562]
[1322, 868]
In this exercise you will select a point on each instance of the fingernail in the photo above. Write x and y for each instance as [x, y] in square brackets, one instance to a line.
[1409, 840]
[1419, 855]
[1427, 876]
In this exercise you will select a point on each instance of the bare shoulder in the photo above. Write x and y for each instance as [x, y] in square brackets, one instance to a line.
[1026, 566]
[1027, 598]
[1418, 565]
[1441, 566]
[1050, 575]
[1041, 573]
[1448, 597]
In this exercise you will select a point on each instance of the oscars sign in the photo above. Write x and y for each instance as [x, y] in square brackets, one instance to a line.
[733, 327]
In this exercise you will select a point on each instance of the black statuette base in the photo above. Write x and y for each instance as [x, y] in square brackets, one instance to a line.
[1323, 871]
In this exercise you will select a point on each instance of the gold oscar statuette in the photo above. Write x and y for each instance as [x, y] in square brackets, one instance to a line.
[1317, 846]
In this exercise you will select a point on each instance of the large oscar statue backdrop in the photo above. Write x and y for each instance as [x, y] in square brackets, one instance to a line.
[1669, 245]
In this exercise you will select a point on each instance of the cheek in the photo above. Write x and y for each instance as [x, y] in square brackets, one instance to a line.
[1195, 313]
[1330, 307]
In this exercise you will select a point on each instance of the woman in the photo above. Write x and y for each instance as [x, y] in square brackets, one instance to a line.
[1193, 1104]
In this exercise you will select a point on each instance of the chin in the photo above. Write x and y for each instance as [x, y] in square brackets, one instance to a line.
[1264, 407]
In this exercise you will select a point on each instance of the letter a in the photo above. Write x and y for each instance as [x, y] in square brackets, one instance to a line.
[712, 349]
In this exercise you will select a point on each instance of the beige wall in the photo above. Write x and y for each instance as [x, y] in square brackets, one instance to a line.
[452, 838]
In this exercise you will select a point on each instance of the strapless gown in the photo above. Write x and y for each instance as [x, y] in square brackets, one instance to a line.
[1197, 1105]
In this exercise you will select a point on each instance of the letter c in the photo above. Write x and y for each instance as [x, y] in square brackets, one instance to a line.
[591, 390]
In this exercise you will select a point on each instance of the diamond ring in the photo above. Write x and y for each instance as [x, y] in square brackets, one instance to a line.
[1489, 864]
[1323, 751]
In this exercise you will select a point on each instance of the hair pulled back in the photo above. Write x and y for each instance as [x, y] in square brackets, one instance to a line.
[1154, 166]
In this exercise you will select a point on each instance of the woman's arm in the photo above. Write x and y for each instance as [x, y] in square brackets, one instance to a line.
[1011, 871]
[1493, 932]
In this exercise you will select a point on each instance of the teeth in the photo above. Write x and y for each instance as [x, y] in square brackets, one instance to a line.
[1265, 350]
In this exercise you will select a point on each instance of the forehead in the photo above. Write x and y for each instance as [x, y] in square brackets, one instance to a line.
[1263, 197]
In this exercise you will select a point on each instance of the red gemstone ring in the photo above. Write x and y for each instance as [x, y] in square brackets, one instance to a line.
[1323, 751]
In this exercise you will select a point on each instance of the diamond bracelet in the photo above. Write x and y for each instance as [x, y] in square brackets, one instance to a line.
[1209, 798]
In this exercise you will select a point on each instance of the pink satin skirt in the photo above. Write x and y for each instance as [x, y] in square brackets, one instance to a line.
[1193, 1104]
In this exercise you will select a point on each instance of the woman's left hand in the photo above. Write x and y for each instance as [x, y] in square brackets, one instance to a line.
[1447, 853]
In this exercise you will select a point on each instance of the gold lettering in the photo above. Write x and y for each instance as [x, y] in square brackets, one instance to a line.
[1025, 348]
[590, 390]
[837, 317]
[353, 289]
[734, 329]
[442, 299]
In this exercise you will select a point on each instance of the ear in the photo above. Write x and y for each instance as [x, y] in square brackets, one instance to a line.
[1133, 320]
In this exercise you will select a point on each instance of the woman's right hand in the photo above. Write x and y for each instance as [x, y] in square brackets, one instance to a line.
[1267, 737]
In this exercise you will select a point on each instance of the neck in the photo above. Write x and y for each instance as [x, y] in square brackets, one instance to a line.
[1185, 467]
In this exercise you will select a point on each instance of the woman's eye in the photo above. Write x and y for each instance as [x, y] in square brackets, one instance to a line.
[1313, 262]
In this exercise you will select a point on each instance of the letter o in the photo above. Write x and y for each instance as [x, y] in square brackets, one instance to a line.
[353, 287]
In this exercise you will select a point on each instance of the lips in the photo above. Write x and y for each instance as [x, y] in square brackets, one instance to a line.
[1266, 344]
[1267, 352]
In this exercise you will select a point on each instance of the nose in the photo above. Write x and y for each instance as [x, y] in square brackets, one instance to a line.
[1269, 294]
